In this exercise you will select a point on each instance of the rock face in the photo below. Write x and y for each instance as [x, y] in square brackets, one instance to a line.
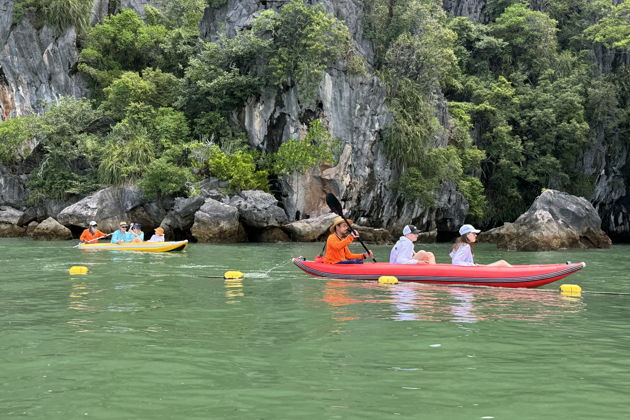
[9, 222]
[11, 189]
[111, 205]
[472, 9]
[308, 230]
[35, 65]
[180, 219]
[217, 222]
[49, 230]
[258, 209]
[555, 220]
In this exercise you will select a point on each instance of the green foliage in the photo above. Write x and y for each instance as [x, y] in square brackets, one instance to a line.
[162, 177]
[122, 42]
[612, 30]
[317, 148]
[14, 135]
[144, 134]
[69, 150]
[305, 41]
[472, 189]
[531, 39]
[153, 88]
[415, 125]
[238, 169]
[59, 14]
[427, 58]
[423, 180]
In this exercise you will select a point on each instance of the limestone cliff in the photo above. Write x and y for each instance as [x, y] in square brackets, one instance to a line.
[354, 108]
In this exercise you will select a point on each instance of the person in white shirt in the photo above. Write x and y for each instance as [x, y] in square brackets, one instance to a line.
[158, 236]
[403, 253]
[462, 251]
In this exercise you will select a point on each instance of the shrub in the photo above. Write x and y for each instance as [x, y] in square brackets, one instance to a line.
[162, 177]
[317, 148]
[305, 41]
[59, 14]
[238, 169]
[14, 134]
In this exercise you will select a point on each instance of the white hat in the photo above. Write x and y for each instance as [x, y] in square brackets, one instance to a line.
[92, 223]
[467, 229]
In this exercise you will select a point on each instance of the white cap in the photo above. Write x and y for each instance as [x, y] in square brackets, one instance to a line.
[410, 229]
[467, 229]
[92, 223]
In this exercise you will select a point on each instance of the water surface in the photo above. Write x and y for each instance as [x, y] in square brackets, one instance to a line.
[152, 336]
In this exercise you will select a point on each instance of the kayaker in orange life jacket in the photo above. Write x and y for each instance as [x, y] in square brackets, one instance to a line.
[91, 234]
[337, 251]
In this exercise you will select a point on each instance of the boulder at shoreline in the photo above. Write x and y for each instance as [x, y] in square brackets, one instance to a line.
[555, 220]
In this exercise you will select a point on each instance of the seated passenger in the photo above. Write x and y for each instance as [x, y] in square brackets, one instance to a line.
[158, 236]
[337, 251]
[403, 252]
[462, 251]
[121, 235]
[137, 233]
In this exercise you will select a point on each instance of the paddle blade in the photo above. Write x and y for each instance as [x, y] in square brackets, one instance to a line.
[334, 204]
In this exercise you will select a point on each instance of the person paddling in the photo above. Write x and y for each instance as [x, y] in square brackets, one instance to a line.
[91, 234]
[462, 251]
[403, 253]
[337, 251]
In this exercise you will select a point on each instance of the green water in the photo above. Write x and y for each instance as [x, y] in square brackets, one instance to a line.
[147, 336]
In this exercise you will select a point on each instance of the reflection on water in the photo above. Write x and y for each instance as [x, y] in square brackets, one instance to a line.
[233, 290]
[350, 300]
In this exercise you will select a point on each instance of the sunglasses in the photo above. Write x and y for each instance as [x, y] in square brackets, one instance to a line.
[124, 227]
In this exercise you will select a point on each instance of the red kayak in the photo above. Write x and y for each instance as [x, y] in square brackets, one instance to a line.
[480, 275]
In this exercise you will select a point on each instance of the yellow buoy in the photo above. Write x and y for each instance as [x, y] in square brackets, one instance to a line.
[387, 280]
[233, 275]
[570, 290]
[78, 269]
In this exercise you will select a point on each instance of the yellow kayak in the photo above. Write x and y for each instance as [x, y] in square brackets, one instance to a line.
[137, 246]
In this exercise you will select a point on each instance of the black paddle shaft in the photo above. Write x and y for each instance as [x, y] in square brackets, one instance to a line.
[335, 206]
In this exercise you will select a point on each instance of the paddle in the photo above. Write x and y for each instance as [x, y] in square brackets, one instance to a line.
[335, 207]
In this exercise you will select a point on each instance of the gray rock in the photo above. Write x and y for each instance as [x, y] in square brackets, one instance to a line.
[373, 236]
[472, 9]
[35, 66]
[49, 230]
[11, 188]
[31, 227]
[273, 234]
[217, 222]
[429, 237]
[211, 187]
[182, 216]
[555, 220]
[108, 207]
[309, 230]
[259, 209]
[9, 215]
[9, 218]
